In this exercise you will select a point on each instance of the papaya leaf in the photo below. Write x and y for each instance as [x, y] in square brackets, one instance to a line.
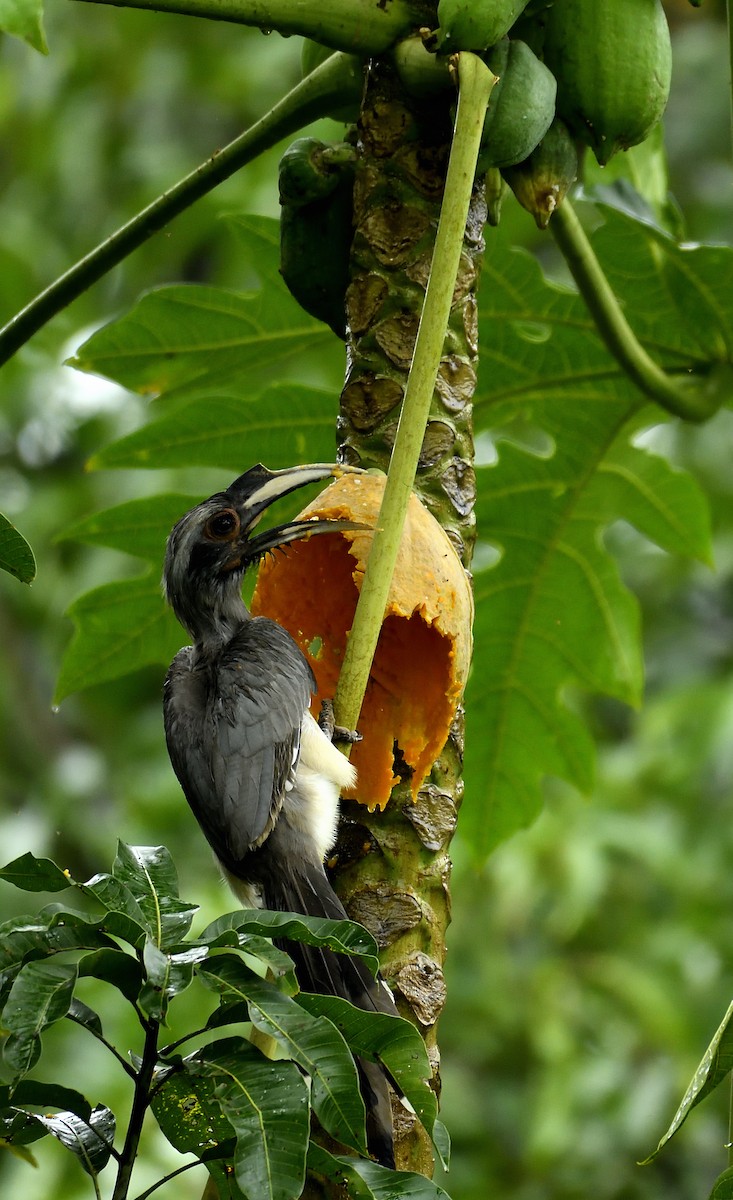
[311, 1041]
[138, 527]
[715, 1065]
[119, 627]
[35, 874]
[24, 19]
[553, 615]
[267, 1105]
[287, 423]
[179, 335]
[391, 1040]
[344, 937]
[40, 996]
[367, 1180]
[16, 556]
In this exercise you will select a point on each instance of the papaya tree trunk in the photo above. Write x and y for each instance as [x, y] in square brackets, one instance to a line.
[393, 867]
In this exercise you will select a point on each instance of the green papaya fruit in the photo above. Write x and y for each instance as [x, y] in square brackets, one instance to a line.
[475, 24]
[521, 106]
[613, 65]
[541, 182]
[310, 169]
[315, 241]
[311, 56]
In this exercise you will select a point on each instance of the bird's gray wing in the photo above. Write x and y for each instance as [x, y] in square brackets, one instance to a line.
[233, 733]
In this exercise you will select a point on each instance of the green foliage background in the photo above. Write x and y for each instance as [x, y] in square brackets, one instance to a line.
[588, 962]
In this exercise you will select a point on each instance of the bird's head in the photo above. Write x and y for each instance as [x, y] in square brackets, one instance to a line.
[212, 546]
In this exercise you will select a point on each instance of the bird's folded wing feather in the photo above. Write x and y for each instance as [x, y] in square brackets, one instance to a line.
[235, 748]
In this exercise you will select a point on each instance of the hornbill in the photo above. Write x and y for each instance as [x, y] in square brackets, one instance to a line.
[260, 774]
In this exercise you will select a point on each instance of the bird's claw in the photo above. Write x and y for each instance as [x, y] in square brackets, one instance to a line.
[334, 732]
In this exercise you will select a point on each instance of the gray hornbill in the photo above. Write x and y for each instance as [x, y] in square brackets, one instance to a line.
[260, 774]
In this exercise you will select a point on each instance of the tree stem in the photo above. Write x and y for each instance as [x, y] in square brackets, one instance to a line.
[139, 1108]
[689, 397]
[336, 78]
[475, 84]
[358, 26]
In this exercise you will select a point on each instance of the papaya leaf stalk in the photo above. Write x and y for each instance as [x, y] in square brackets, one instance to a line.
[359, 26]
[313, 97]
[475, 84]
[694, 398]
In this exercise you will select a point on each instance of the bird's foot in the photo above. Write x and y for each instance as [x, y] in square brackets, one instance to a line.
[334, 732]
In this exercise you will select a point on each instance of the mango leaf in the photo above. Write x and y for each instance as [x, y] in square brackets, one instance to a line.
[119, 627]
[190, 1116]
[40, 996]
[367, 1180]
[344, 937]
[553, 614]
[23, 942]
[287, 423]
[121, 970]
[184, 334]
[715, 1065]
[390, 1040]
[35, 874]
[311, 1041]
[149, 874]
[267, 1105]
[16, 556]
[24, 19]
[46, 1095]
[166, 976]
[90, 1141]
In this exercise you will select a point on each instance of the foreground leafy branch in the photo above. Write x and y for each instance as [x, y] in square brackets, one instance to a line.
[225, 1102]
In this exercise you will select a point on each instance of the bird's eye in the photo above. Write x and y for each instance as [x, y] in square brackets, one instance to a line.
[223, 526]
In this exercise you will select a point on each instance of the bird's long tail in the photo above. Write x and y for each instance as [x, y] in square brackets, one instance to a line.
[304, 888]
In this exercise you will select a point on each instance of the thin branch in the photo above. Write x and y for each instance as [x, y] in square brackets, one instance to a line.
[167, 1178]
[126, 1066]
[311, 98]
[140, 1102]
[475, 84]
[693, 397]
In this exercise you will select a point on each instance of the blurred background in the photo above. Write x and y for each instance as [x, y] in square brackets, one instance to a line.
[589, 961]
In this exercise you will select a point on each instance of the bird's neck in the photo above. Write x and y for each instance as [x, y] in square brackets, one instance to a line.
[214, 615]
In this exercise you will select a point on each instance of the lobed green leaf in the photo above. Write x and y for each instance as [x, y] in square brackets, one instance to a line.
[553, 615]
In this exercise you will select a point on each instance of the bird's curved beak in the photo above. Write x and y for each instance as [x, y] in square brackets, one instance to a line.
[254, 491]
